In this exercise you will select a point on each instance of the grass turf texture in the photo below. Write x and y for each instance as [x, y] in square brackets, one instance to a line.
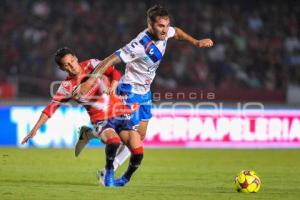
[165, 174]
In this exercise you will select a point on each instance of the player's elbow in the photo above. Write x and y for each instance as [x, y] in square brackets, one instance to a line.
[178, 33]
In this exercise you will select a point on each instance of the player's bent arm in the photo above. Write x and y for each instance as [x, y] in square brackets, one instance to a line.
[181, 35]
[113, 87]
[115, 76]
[84, 87]
[43, 119]
[111, 60]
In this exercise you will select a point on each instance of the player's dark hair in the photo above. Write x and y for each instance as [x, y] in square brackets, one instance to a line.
[155, 11]
[60, 53]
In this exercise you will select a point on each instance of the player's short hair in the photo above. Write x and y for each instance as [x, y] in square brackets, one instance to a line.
[155, 11]
[60, 53]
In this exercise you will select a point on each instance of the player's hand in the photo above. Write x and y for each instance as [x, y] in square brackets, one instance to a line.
[204, 43]
[113, 89]
[27, 137]
[82, 89]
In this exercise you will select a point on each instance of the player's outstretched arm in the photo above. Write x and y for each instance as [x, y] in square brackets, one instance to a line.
[203, 43]
[111, 60]
[43, 119]
[84, 87]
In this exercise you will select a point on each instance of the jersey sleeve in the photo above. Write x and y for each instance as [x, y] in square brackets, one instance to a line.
[113, 73]
[130, 52]
[171, 32]
[61, 96]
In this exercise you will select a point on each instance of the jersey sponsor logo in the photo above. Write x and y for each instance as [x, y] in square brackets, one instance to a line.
[152, 68]
[151, 49]
[132, 55]
[133, 44]
[146, 58]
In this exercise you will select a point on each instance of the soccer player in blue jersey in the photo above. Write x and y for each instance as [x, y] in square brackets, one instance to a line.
[142, 56]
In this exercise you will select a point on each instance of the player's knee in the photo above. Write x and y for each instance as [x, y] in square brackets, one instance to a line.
[108, 134]
[134, 140]
[142, 134]
[142, 129]
[113, 140]
[137, 150]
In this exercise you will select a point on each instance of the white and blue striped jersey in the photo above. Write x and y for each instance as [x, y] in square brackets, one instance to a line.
[142, 57]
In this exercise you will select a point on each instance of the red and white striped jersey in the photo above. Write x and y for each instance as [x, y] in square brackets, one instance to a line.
[99, 105]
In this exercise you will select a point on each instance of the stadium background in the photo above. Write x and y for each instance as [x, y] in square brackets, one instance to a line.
[254, 64]
[203, 98]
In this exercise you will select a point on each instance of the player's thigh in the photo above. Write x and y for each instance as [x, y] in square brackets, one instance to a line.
[107, 134]
[134, 139]
[142, 129]
[124, 135]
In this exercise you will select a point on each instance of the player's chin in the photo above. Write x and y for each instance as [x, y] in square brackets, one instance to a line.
[162, 37]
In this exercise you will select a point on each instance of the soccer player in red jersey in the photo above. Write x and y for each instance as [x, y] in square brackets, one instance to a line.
[108, 113]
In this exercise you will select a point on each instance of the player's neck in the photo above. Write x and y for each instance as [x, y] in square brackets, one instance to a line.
[78, 75]
[151, 35]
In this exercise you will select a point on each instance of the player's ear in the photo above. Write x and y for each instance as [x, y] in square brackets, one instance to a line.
[76, 59]
[149, 23]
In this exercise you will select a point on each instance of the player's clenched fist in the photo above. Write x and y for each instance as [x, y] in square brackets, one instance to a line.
[204, 43]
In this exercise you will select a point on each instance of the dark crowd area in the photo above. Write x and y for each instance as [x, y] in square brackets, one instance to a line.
[257, 43]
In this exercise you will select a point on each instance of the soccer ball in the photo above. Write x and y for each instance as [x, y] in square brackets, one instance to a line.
[247, 181]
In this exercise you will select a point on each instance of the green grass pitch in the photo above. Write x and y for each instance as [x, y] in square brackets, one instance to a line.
[164, 174]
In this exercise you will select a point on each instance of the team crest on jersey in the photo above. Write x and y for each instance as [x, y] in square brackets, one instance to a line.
[66, 84]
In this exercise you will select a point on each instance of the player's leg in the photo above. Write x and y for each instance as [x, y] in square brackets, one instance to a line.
[140, 120]
[112, 142]
[124, 152]
[124, 90]
[142, 128]
[85, 135]
[145, 114]
[137, 153]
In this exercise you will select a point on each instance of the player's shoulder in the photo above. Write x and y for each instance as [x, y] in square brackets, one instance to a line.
[90, 63]
[171, 32]
[139, 37]
[142, 34]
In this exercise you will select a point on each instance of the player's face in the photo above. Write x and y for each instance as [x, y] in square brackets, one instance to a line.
[69, 63]
[160, 27]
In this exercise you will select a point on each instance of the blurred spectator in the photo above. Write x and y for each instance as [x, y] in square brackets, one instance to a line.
[257, 45]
